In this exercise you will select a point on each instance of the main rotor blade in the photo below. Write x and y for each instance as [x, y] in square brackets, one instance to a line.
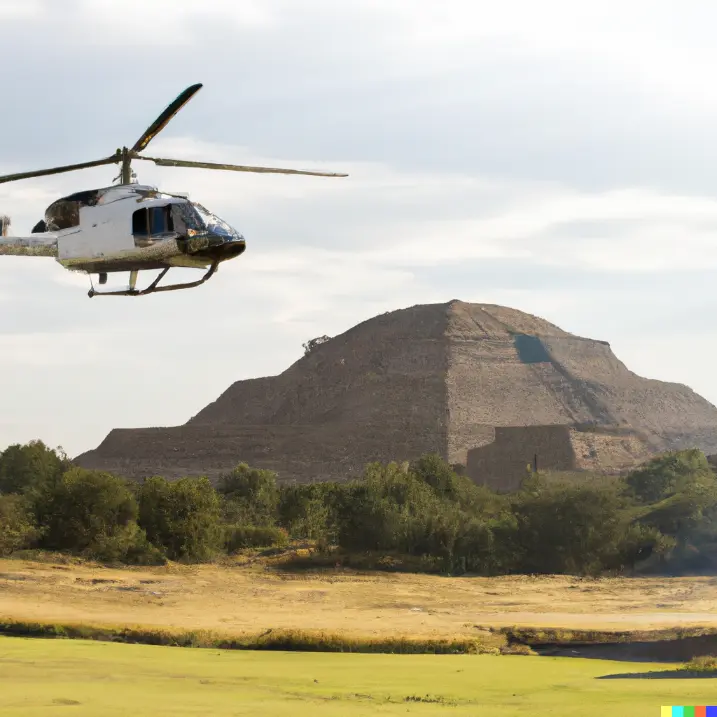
[234, 167]
[59, 170]
[161, 122]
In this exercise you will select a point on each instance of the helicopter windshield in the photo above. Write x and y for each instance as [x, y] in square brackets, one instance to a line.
[213, 223]
[186, 217]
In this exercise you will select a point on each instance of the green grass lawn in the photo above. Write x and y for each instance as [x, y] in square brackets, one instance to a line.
[78, 678]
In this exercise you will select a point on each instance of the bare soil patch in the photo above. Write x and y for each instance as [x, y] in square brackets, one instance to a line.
[242, 597]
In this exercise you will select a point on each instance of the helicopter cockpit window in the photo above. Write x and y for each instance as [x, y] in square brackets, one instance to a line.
[186, 217]
[140, 223]
[153, 221]
[62, 214]
[179, 219]
[160, 220]
[212, 222]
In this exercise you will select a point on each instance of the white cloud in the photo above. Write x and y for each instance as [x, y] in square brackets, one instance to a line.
[20, 9]
[464, 108]
[303, 252]
[166, 23]
[631, 229]
[460, 218]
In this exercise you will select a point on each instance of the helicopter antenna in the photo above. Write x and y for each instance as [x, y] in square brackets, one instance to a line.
[124, 156]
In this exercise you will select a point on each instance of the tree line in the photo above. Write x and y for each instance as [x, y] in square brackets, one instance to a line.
[661, 516]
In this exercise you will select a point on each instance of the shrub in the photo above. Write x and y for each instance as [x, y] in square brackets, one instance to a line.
[29, 467]
[17, 528]
[703, 663]
[569, 529]
[304, 511]
[182, 517]
[128, 545]
[83, 507]
[254, 536]
[669, 473]
[251, 495]
[421, 515]
[309, 511]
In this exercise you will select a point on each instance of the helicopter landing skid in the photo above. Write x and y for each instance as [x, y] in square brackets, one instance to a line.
[153, 287]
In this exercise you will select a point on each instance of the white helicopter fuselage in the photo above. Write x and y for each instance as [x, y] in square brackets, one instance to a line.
[128, 227]
[132, 227]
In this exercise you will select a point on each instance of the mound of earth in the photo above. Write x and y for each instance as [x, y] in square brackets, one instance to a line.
[487, 387]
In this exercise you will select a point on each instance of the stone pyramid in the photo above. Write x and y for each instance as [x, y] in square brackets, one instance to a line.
[487, 387]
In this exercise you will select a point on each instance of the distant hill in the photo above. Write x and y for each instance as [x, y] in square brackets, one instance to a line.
[486, 387]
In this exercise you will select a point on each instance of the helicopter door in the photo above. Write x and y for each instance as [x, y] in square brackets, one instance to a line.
[160, 221]
[152, 223]
[100, 234]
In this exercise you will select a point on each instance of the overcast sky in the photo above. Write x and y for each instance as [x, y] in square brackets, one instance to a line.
[558, 157]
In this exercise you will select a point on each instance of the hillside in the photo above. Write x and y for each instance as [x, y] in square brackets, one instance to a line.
[430, 378]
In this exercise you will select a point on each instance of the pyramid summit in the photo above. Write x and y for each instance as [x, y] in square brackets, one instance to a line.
[487, 387]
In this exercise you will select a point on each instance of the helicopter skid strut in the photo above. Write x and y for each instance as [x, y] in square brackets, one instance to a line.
[153, 287]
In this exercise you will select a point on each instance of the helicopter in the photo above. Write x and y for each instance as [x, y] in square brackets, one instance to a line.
[131, 227]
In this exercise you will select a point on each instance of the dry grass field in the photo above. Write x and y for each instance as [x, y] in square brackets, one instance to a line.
[37, 676]
[253, 597]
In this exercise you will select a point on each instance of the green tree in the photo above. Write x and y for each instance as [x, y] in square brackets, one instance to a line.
[570, 529]
[307, 510]
[435, 472]
[682, 513]
[254, 536]
[84, 508]
[30, 467]
[670, 473]
[183, 517]
[251, 495]
[474, 547]
[17, 527]
[449, 485]
[390, 509]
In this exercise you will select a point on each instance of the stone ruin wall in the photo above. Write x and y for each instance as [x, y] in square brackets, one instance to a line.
[295, 452]
[503, 464]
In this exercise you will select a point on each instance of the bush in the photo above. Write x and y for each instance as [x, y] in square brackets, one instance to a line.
[84, 507]
[389, 510]
[640, 543]
[30, 467]
[421, 514]
[182, 517]
[306, 511]
[703, 663]
[128, 545]
[436, 473]
[17, 527]
[251, 495]
[670, 473]
[682, 513]
[254, 536]
[475, 548]
[570, 529]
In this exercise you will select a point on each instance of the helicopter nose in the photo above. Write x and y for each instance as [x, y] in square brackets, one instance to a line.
[223, 247]
[233, 247]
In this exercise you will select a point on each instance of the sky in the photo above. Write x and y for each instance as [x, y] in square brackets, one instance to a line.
[556, 157]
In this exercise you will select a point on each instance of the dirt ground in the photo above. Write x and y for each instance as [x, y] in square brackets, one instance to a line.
[254, 598]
